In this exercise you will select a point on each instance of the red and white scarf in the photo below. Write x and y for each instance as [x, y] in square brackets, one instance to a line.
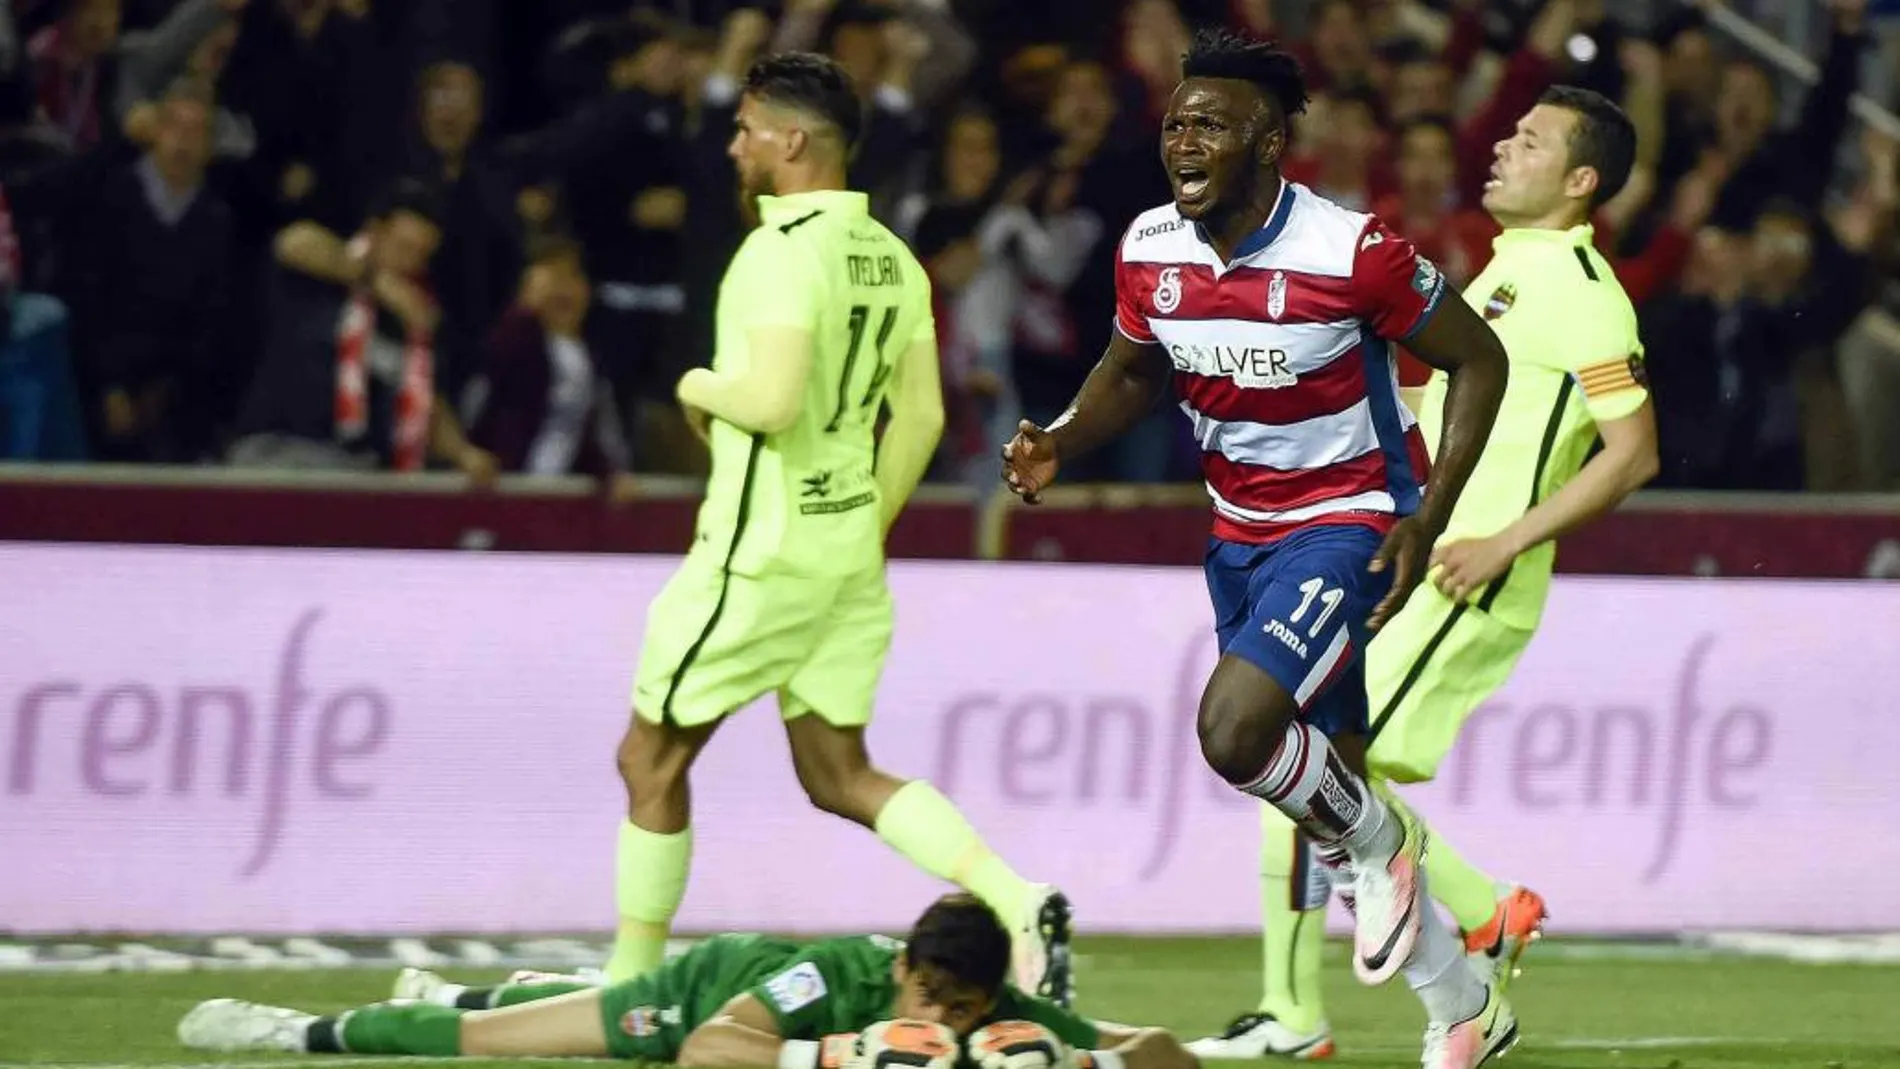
[415, 392]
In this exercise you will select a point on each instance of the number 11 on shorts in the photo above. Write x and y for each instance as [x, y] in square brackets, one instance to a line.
[1314, 589]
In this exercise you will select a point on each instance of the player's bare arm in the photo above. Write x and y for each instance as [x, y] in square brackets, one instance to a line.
[915, 427]
[766, 397]
[1627, 461]
[744, 1033]
[1454, 340]
[1146, 1048]
[1120, 390]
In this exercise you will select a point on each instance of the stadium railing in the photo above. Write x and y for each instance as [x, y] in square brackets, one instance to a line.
[1806, 535]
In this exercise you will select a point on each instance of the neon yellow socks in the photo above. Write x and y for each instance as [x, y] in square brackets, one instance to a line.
[924, 826]
[651, 882]
[1291, 937]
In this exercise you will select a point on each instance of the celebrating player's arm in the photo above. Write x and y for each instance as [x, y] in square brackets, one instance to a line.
[1598, 348]
[1119, 391]
[1449, 336]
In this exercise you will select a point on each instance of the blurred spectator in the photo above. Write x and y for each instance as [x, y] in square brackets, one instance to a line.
[902, 56]
[1342, 140]
[153, 276]
[539, 402]
[941, 225]
[1753, 315]
[75, 69]
[474, 270]
[1794, 162]
[620, 172]
[347, 379]
[40, 417]
[195, 41]
[1425, 207]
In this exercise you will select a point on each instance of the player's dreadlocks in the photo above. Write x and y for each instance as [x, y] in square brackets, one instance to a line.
[1220, 53]
[813, 84]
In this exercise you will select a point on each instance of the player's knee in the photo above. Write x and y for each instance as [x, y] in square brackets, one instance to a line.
[646, 764]
[1238, 736]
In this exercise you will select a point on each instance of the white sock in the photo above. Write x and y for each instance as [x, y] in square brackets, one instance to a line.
[1306, 780]
[446, 994]
[1437, 969]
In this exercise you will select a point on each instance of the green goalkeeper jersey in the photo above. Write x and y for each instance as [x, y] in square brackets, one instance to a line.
[811, 989]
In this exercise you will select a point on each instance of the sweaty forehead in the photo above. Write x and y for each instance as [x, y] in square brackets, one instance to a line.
[1228, 98]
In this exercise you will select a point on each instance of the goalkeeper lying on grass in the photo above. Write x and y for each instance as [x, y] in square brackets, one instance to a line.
[738, 1001]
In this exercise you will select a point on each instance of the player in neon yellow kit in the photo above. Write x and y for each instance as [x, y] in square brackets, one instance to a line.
[1576, 375]
[823, 322]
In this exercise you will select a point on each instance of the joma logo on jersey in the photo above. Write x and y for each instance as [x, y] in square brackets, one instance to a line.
[817, 484]
[1248, 366]
[1160, 228]
[1276, 629]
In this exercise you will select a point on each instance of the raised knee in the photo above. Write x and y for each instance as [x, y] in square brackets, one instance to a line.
[1237, 740]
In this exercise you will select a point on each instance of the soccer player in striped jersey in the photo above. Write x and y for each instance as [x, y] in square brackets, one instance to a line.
[1576, 376]
[1274, 312]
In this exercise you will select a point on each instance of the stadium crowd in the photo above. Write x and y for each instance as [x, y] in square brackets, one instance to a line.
[486, 235]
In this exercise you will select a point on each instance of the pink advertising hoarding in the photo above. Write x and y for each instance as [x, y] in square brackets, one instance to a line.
[303, 741]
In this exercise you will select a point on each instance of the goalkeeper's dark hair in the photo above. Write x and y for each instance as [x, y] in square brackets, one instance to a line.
[1603, 140]
[961, 938]
[813, 84]
[1219, 53]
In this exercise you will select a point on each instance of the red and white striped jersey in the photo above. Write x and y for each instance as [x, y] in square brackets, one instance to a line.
[1283, 360]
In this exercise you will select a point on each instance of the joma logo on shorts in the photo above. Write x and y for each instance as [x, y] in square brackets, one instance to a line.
[1284, 634]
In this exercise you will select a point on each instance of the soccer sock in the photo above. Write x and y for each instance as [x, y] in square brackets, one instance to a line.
[1292, 924]
[489, 998]
[1470, 895]
[420, 1028]
[651, 882]
[1438, 971]
[924, 826]
[1307, 781]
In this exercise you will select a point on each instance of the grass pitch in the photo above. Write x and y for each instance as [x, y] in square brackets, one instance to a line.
[1581, 1006]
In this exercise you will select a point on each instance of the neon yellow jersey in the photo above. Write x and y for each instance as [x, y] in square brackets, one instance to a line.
[1570, 333]
[805, 500]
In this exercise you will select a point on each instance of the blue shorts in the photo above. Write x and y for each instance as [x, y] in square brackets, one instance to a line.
[1297, 609]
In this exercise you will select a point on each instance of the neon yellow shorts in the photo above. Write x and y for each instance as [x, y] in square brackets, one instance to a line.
[1426, 672]
[715, 642]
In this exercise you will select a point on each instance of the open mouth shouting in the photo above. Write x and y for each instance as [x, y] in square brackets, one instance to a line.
[1191, 182]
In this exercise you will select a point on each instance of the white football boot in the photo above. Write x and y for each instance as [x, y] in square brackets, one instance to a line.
[1385, 905]
[418, 984]
[1472, 1042]
[229, 1025]
[1261, 1035]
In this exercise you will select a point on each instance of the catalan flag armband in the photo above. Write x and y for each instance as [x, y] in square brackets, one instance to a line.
[1612, 376]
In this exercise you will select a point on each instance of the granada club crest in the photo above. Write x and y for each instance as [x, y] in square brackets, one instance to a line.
[1168, 291]
[1276, 295]
[1501, 301]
